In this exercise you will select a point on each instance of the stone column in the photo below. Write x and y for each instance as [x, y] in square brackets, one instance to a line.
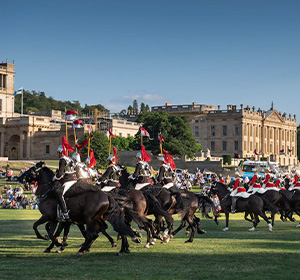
[21, 146]
[28, 145]
[2, 144]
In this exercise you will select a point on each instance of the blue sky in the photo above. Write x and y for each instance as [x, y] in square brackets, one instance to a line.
[110, 52]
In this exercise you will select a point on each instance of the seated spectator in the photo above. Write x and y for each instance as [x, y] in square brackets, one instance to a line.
[24, 202]
[33, 203]
[1, 200]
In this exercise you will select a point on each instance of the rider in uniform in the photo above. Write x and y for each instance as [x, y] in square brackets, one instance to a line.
[166, 177]
[142, 173]
[295, 183]
[255, 182]
[269, 179]
[64, 178]
[112, 174]
[237, 189]
[81, 169]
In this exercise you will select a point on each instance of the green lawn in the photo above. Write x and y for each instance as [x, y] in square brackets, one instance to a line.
[236, 254]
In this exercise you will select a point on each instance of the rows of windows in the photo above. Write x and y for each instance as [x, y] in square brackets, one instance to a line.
[224, 130]
[224, 145]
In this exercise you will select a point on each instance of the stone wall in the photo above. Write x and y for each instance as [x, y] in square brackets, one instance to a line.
[128, 158]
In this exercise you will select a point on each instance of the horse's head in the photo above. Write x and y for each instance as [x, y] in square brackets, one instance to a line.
[218, 188]
[30, 174]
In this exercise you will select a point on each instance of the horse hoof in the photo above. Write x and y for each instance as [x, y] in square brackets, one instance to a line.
[58, 251]
[270, 227]
[298, 225]
[47, 251]
[127, 251]
[147, 245]
[114, 245]
[188, 241]
[139, 235]
[119, 254]
[171, 236]
[64, 244]
[252, 229]
[225, 229]
[136, 240]
[201, 231]
[79, 254]
[152, 243]
[187, 233]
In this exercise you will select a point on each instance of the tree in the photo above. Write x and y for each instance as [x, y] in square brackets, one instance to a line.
[176, 131]
[99, 143]
[143, 107]
[135, 105]
[147, 108]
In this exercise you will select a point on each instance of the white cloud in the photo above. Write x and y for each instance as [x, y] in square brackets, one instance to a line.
[141, 95]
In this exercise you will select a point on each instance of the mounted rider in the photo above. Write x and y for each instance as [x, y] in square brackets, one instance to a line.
[269, 179]
[237, 191]
[279, 183]
[255, 182]
[295, 183]
[142, 173]
[111, 176]
[65, 178]
[81, 169]
[166, 179]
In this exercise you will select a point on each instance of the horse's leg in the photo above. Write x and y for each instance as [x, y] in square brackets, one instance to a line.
[111, 240]
[263, 215]
[56, 235]
[192, 225]
[124, 246]
[53, 238]
[66, 228]
[41, 221]
[197, 222]
[227, 221]
[181, 226]
[92, 232]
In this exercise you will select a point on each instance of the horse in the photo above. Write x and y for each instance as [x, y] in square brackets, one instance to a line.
[145, 203]
[253, 205]
[89, 206]
[186, 209]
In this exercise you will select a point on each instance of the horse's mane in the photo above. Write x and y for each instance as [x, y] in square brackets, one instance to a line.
[48, 171]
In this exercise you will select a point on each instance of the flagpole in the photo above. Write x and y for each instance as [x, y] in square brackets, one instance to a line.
[109, 145]
[89, 146]
[22, 103]
[75, 139]
[161, 147]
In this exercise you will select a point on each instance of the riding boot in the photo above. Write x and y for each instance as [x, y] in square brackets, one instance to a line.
[62, 204]
[233, 204]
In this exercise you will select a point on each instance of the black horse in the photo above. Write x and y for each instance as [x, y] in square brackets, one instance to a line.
[90, 206]
[190, 203]
[254, 205]
[145, 203]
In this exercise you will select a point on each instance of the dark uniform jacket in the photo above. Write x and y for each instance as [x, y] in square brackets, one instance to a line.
[111, 176]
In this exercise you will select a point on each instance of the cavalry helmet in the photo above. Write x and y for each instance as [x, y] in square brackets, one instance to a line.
[76, 157]
[293, 170]
[139, 156]
[88, 161]
[111, 158]
[161, 159]
[60, 149]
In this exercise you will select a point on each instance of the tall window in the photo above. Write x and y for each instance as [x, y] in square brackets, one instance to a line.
[197, 130]
[236, 145]
[224, 146]
[224, 130]
[47, 149]
[212, 131]
[236, 130]
[0, 105]
[212, 145]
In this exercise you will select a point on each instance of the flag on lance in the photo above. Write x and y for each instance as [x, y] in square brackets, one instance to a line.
[144, 132]
[77, 124]
[282, 152]
[160, 138]
[256, 152]
[109, 134]
[71, 115]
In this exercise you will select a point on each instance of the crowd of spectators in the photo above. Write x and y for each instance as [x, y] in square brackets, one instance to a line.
[14, 198]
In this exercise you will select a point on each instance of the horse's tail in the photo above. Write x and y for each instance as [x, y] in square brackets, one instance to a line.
[157, 208]
[269, 205]
[126, 204]
[206, 200]
[116, 218]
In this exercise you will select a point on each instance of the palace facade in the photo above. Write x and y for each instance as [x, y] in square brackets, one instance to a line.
[241, 131]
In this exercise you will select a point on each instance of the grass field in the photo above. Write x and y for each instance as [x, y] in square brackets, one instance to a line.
[237, 254]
